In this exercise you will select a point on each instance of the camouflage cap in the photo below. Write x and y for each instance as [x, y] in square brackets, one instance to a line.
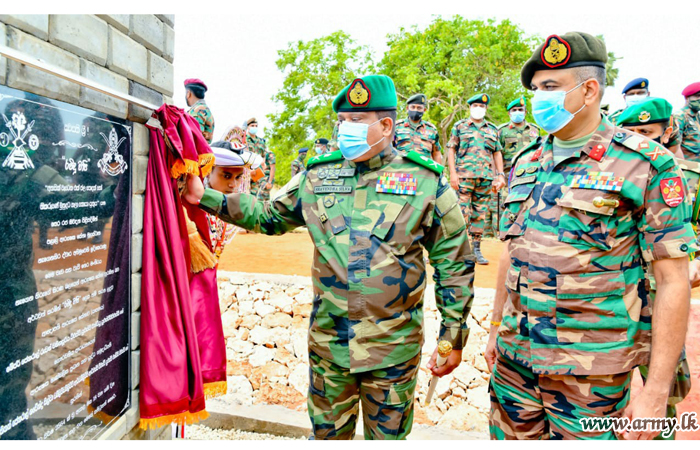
[574, 49]
[520, 101]
[369, 93]
[654, 110]
[479, 98]
[417, 99]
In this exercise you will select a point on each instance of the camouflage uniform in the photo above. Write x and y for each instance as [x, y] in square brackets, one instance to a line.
[688, 123]
[512, 138]
[370, 223]
[333, 143]
[202, 113]
[298, 165]
[474, 147]
[257, 145]
[578, 316]
[422, 138]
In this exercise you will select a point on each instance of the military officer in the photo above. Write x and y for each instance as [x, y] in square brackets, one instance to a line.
[688, 122]
[194, 96]
[512, 136]
[321, 146]
[587, 206]
[298, 163]
[471, 152]
[370, 211]
[634, 92]
[256, 144]
[417, 134]
[651, 119]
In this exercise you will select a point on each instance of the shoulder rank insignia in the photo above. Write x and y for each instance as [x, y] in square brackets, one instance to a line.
[604, 181]
[672, 191]
[397, 183]
[424, 161]
[597, 152]
[358, 95]
[556, 53]
[324, 158]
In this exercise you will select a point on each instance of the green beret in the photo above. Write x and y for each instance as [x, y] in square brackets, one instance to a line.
[654, 110]
[573, 49]
[417, 99]
[369, 93]
[517, 102]
[479, 98]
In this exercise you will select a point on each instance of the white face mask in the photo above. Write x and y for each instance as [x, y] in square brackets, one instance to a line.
[632, 100]
[477, 112]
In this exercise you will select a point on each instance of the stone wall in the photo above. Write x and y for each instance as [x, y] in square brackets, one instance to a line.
[132, 54]
[266, 320]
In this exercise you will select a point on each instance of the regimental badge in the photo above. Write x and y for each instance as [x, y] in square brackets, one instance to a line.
[522, 102]
[397, 183]
[654, 154]
[531, 169]
[644, 116]
[484, 98]
[519, 172]
[329, 200]
[556, 53]
[322, 173]
[537, 155]
[672, 191]
[358, 95]
[643, 84]
[112, 163]
[604, 181]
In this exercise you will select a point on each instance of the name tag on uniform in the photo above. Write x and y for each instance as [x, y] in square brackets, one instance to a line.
[397, 183]
[523, 180]
[329, 189]
[604, 181]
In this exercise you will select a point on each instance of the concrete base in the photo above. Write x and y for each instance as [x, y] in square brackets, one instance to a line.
[274, 419]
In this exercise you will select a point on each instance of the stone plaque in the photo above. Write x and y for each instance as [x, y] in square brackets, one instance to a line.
[65, 243]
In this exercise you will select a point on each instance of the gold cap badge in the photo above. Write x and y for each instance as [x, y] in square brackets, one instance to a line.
[556, 53]
[644, 116]
[484, 98]
[643, 83]
[358, 95]
[522, 102]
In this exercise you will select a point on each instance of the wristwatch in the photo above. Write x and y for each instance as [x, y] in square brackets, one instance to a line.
[501, 174]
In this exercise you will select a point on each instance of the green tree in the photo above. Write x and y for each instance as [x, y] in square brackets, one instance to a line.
[611, 72]
[451, 60]
[314, 72]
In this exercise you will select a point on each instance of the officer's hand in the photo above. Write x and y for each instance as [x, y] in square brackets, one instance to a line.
[451, 364]
[454, 181]
[649, 403]
[499, 183]
[194, 189]
[491, 353]
[268, 186]
[694, 269]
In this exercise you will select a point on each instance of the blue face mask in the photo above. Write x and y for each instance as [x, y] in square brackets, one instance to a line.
[517, 117]
[318, 150]
[632, 100]
[549, 112]
[352, 139]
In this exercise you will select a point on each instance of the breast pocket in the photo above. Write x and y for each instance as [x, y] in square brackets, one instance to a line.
[386, 228]
[515, 211]
[588, 217]
[590, 308]
[511, 144]
[490, 143]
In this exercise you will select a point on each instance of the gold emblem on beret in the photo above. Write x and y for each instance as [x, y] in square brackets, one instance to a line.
[556, 53]
[484, 98]
[643, 83]
[644, 116]
[358, 95]
[522, 102]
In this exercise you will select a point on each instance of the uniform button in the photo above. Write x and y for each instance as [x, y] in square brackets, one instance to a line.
[684, 247]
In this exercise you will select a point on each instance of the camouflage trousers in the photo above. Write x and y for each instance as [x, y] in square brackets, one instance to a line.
[474, 195]
[679, 390]
[255, 186]
[525, 405]
[263, 193]
[495, 211]
[386, 396]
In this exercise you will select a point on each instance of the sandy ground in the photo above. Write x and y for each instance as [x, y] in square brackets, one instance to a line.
[292, 253]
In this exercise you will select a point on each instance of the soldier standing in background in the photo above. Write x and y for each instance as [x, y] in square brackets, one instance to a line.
[472, 152]
[587, 207]
[321, 146]
[260, 188]
[298, 163]
[688, 122]
[371, 213]
[417, 134]
[635, 92]
[195, 90]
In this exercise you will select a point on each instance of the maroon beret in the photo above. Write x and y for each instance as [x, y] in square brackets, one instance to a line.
[196, 82]
[691, 89]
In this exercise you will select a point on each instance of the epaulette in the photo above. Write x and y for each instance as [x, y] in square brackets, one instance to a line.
[531, 146]
[400, 122]
[424, 161]
[492, 125]
[430, 125]
[325, 158]
[503, 125]
[659, 157]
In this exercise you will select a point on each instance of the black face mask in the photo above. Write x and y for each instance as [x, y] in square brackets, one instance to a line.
[415, 115]
[658, 140]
